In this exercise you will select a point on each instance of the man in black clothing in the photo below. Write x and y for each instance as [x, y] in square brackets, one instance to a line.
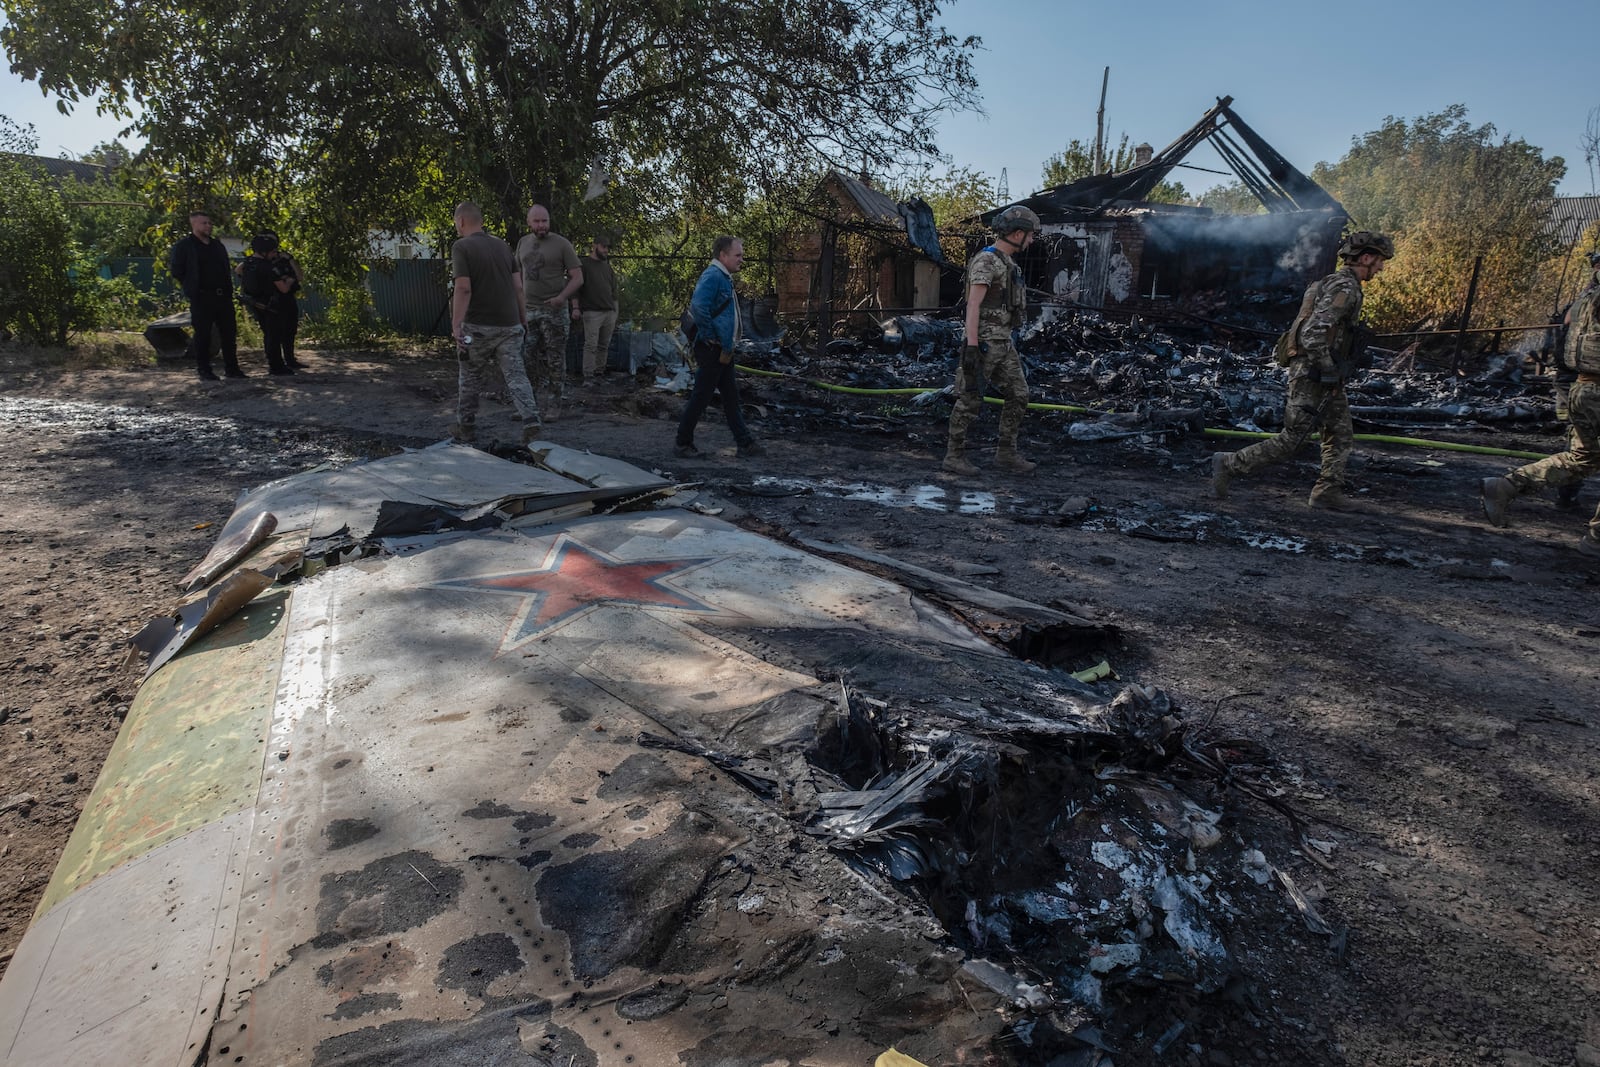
[270, 278]
[201, 266]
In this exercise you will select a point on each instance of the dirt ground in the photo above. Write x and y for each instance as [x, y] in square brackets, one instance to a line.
[1434, 680]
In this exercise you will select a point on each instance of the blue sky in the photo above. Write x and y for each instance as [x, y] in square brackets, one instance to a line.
[1308, 77]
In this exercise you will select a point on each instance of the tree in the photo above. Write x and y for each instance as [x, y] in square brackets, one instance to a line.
[1077, 161]
[378, 112]
[109, 215]
[1449, 192]
[44, 291]
[1232, 198]
[955, 196]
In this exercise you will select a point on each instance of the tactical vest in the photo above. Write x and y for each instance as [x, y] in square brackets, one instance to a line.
[1287, 347]
[1009, 296]
[1582, 350]
[1349, 350]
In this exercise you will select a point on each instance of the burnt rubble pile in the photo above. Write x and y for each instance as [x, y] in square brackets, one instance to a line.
[1139, 376]
[1090, 860]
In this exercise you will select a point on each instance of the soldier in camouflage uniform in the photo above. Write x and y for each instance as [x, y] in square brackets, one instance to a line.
[1580, 354]
[550, 276]
[997, 300]
[1567, 495]
[1320, 351]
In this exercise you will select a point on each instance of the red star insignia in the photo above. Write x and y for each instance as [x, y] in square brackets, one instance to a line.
[574, 580]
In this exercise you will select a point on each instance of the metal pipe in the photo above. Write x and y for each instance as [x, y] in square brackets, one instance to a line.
[1480, 329]
[1100, 126]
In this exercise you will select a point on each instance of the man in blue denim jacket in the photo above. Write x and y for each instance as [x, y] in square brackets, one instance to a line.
[715, 311]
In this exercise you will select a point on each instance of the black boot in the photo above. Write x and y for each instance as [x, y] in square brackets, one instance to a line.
[207, 374]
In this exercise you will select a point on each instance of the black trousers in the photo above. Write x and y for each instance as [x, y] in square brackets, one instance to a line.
[211, 310]
[711, 376]
[277, 335]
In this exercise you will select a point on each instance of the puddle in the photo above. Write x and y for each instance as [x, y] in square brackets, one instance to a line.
[1270, 542]
[924, 497]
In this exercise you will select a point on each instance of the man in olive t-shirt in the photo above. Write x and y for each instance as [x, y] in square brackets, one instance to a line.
[550, 275]
[598, 300]
[486, 319]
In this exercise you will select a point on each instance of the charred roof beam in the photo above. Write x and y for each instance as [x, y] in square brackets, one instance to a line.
[1260, 182]
[1267, 174]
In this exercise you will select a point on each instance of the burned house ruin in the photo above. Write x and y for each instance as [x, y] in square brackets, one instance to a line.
[869, 257]
[1104, 245]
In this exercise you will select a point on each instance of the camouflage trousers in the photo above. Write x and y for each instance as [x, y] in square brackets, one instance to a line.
[1311, 406]
[1582, 457]
[1002, 368]
[492, 346]
[544, 352]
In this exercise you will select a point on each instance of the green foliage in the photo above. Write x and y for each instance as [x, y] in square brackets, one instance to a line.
[110, 215]
[349, 321]
[659, 264]
[1234, 198]
[47, 288]
[1448, 192]
[337, 119]
[955, 196]
[1077, 161]
[122, 305]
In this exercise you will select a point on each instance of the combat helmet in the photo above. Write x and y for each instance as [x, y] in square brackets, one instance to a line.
[1015, 217]
[1366, 241]
[265, 241]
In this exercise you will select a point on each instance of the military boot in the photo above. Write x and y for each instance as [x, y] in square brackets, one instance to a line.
[957, 463]
[1567, 496]
[1008, 459]
[1220, 475]
[1332, 500]
[465, 433]
[1589, 546]
[1496, 496]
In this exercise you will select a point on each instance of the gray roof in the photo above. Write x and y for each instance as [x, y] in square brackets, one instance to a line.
[61, 168]
[875, 206]
[1570, 216]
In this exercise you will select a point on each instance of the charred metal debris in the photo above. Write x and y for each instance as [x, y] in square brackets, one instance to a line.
[1087, 859]
[1109, 379]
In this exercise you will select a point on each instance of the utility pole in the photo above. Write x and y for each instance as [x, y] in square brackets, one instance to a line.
[1100, 126]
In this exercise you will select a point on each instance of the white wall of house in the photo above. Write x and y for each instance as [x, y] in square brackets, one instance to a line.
[405, 246]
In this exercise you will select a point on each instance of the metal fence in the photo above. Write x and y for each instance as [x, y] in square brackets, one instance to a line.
[409, 296]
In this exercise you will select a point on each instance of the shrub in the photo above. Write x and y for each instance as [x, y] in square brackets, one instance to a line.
[46, 292]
